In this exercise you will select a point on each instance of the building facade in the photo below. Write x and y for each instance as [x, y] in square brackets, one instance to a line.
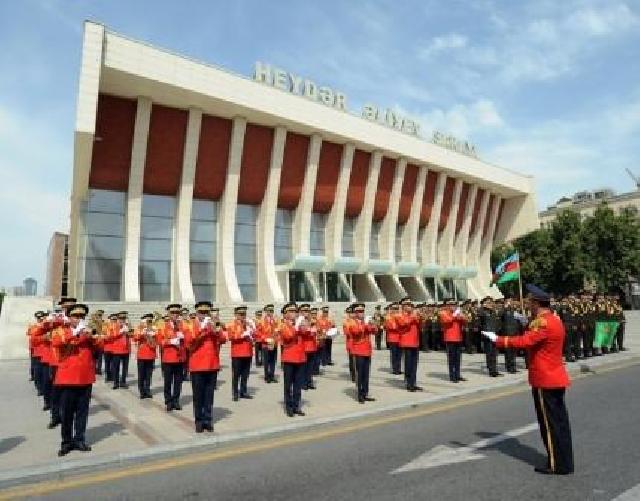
[56, 279]
[30, 286]
[191, 182]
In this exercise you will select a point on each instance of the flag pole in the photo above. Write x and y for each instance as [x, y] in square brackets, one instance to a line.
[520, 285]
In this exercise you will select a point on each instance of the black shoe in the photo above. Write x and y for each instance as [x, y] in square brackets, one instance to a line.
[290, 413]
[462, 379]
[82, 447]
[53, 423]
[544, 471]
[177, 407]
[418, 388]
[199, 428]
[235, 398]
[411, 389]
[624, 349]
[330, 363]
[169, 407]
[369, 399]
[124, 385]
[207, 427]
[247, 396]
[64, 450]
[299, 413]
[311, 387]
[455, 380]
[98, 373]
[496, 374]
[46, 408]
[115, 386]
[361, 400]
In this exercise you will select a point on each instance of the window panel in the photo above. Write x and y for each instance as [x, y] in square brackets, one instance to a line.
[155, 250]
[246, 273]
[101, 292]
[245, 254]
[155, 272]
[97, 223]
[156, 227]
[248, 292]
[282, 255]
[203, 273]
[204, 210]
[153, 292]
[106, 201]
[245, 234]
[102, 270]
[246, 214]
[105, 247]
[202, 251]
[203, 231]
[204, 292]
[158, 205]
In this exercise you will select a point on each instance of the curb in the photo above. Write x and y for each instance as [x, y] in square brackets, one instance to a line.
[9, 478]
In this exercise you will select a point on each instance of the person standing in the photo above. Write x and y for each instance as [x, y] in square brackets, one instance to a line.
[310, 344]
[325, 324]
[510, 327]
[293, 359]
[171, 340]
[96, 325]
[452, 320]
[74, 377]
[360, 331]
[489, 322]
[107, 349]
[120, 350]
[267, 329]
[146, 337]
[393, 338]
[348, 318]
[258, 344]
[241, 334]
[378, 319]
[408, 324]
[203, 341]
[548, 378]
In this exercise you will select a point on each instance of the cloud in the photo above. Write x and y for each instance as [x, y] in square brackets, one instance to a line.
[463, 120]
[443, 43]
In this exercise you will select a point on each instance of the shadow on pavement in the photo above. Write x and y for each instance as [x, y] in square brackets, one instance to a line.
[94, 409]
[98, 433]
[512, 447]
[7, 444]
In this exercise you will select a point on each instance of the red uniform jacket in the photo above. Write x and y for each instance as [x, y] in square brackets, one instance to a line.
[359, 333]
[146, 350]
[35, 333]
[76, 366]
[292, 341]
[408, 326]
[107, 345]
[118, 341]
[172, 354]
[391, 328]
[240, 346]
[451, 326]
[544, 339]
[311, 339]
[267, 329]
[204, 347]
[345, 327]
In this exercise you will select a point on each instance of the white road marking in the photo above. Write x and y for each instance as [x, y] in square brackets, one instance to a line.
[632, 494]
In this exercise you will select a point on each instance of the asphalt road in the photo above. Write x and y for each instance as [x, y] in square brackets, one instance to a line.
[356, 461]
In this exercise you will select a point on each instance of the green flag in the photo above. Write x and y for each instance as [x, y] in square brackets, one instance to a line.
[605, 332]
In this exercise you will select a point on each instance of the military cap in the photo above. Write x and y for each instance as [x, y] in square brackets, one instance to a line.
[304, 307]
[99, 312]
[485, 299]
[258, 313]
[406, 300]
[314, 310]
[123, 314]
[240, 309]
[203, 306]
[174, 308]
[147, 316]
[348, 309]
[290, 306]
[325, 309]
[184, 310]
[537, 293]
[113, 316]
[77, 309]
[356, 306]
[39, 314]
[268, 307]
[67, 300]
[450, 301]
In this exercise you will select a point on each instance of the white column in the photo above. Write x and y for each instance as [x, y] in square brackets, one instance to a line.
[484, 265]
[389, 226]
[130, 278]
[362, 233]
[301, 229]
[473, 253]
[182, 288]
[335, 220]
[430, 236]
[267, 284]
[462, 240]
[227, 289]
[445, 241]
[411, 229]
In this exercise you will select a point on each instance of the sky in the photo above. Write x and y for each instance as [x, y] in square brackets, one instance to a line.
[548, 88]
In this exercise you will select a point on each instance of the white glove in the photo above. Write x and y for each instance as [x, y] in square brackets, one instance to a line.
[520, 317]
[206, 321]
[174, 341]
[367, 319]
[457, 313]
[179, 335]
[247, 334]
[299, 321]
[490, 335]
[333, 332]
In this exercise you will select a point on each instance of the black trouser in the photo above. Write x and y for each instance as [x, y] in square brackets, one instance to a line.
[510, 359]
[316, 361]
[468, 341]
[240, 368]
[395, 353]
[490, 354]
[259, 357]
[74, 411]
[32, 369]
[454, 359]
[119, 369]
[618, 340]
[352, 367]
[326, 351]
[108, 360]
[363, 365]
[203, 384]
[185, 368]
[554, 428]
[424, 339]
[97, 357]
[172, 373]
[45, 372]
[38, 376]
[378, 337]
[308, 369]
[145, 371]
[411, 366]
[269, 360]
[55, 395]
[293, 377]
[571, 347]
[478, 341]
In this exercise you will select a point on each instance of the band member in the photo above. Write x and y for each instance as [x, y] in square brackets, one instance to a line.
[269, 340]
[258, 344]
[36, 351]
[187, 319]
[107, 346]
[146, 337]
[241, 334]
[120, 349]
[489, 322]
[393, 338]
[408, 324]
[96, 325]
[325, 323]
[360, 330]
[74, 377]
[378, 319]
[548, 378]
[453, 320]
[293, 359]
[310, 344]
[203, 342]
[348, 318]
[171, 340]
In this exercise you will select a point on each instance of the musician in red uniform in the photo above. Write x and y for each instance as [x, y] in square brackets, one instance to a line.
[107, 350]
[75, 376]
[408, 325]
[359, 331]
[145, 337]
[452, 320]
[171, 339]
[35, 350]
[294, 358]
[348, 318]
[120, 343]
[544, 339]
[241, 334]
[267, 334]
[203, 342]
[310, 345]
[393, 338]
[325, 323]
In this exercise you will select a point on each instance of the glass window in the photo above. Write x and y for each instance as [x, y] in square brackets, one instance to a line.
[245, 254]
[99, 223]
[245, 250]
[101, 292]
[204, 210]
[282, 255]
[156, 227]
[245, 234]
[202, 251]
[204, 292]
[347, 237]
[246, 214]
[203, 273]
[398, 243]
[155, 272]
[155, 292]
[248, 292]
[105, 247]
[246, 273]
[282, 236]
[158, 206]
[155, 250]
[102, 271]
[203, 231]
[420, 237]
[106, 201]
[374, 240]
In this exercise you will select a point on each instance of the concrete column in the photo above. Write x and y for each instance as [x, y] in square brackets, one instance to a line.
[389, 226]
[267, 283]
[227, 290]
[182, 288]
[460, 257]
[411, 229]
[335, 220]
[362, 233]
[301, 229]
[484, 264]
[446, 237]
[130, 278]
[430, 236]
[473, 252]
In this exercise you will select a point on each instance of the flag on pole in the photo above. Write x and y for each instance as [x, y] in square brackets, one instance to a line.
[508, 270]
[605, 333]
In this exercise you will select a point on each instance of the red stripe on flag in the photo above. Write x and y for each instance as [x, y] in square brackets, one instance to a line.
[513, 266]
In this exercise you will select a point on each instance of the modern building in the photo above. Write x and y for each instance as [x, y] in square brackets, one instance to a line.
[30, 286]
[586, 202]
[193, 182]
[57, 266]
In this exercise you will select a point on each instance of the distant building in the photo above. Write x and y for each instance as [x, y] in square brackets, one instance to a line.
[586, 202]
[57, 265]
[30, 286]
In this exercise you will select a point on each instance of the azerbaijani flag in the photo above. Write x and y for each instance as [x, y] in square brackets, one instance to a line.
[508, 270]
